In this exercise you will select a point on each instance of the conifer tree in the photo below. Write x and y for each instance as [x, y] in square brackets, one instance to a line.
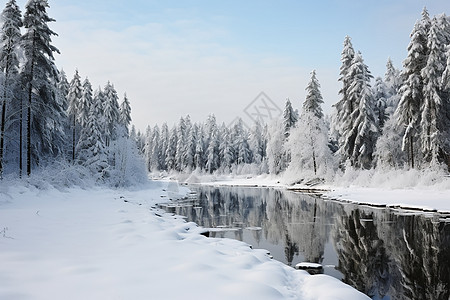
[9, 64]
[359, 130]
[39, 73]
[91, 146]
[63, 87]
[111, 113]
[289, 117]
[345, 106]
[381, 96]
[74, 108]
[86, 102]
[125, 113]
[432, 109]
[411, 91]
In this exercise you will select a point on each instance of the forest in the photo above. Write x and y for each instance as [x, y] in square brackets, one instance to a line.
[401, 121]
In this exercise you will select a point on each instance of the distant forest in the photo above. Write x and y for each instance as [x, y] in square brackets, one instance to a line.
[401, 121]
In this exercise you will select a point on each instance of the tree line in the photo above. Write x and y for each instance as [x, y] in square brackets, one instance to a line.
[45, 118]
[399, 121]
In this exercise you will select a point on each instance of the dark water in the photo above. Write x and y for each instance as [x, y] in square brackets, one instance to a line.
[385, 253]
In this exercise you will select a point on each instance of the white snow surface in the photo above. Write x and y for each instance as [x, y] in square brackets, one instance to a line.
[101, 243]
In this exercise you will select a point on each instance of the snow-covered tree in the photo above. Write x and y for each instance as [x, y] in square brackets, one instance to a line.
[432, 109]
[91, 145]
[181, 142]
[9, 63]
[308, 143]
[345, 106]
[381, 96]
[393, 81]
[171, 150]
[359, 131]
[111, 113]
[125, 113]
[241, 146]
[163, 145]
[212, 151]
[411, 91]
[39, 74]
[226, 148]
[289, 117]
[86, 102]
[276, 153]
[257, 143]
[74, 108]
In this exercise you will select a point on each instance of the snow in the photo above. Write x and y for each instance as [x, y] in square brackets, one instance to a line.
[101, 243]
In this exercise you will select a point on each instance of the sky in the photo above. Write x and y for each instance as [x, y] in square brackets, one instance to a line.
[197, 57]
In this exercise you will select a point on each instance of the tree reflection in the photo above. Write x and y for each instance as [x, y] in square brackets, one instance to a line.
[380, 252]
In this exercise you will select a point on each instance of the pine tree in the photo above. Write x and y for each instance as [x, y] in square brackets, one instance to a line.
[86, 102]
[381, 95]
[125, 113]
[164, 144]
[432, 139]
[111, 113]
[408, 110]
[392, 80]
[91, 146]
[39, 73]
[63, 87]
[289, 117]
[345, 106]
[171, 150]
[226, 149]
[359, 130]
[181, 142]
[308, 143]
[73, 111]
[9, 63]
[212, 152]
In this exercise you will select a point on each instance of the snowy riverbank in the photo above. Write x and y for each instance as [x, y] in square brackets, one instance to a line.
[114, 244]
[412, 189]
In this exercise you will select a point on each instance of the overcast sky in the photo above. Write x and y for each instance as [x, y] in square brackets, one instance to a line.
[197, 57]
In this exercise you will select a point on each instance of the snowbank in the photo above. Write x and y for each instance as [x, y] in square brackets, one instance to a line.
[113, 244]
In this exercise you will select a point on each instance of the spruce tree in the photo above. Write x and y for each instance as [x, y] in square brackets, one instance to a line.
[86, 101]
[125, 113]
[9, 64]
[432, 109]
[381, 96]
[411, 92]
[345, 106]
[359, 130]
[74, 109]
[111, 113]
[44, 114]
[289, 117]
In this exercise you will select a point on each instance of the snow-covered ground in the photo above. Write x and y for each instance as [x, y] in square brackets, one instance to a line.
[111, 244]
[396, 189]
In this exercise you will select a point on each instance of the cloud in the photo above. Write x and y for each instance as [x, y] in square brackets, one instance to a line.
[171, 70]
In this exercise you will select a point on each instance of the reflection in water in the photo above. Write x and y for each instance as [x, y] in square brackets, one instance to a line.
[384, 253]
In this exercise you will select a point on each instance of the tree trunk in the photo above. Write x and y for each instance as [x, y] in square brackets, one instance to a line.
[21, 139]
[2, 128]
[30, 93]
[411, 149]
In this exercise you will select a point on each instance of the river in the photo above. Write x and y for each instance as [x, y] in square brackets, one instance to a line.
[384, 253]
